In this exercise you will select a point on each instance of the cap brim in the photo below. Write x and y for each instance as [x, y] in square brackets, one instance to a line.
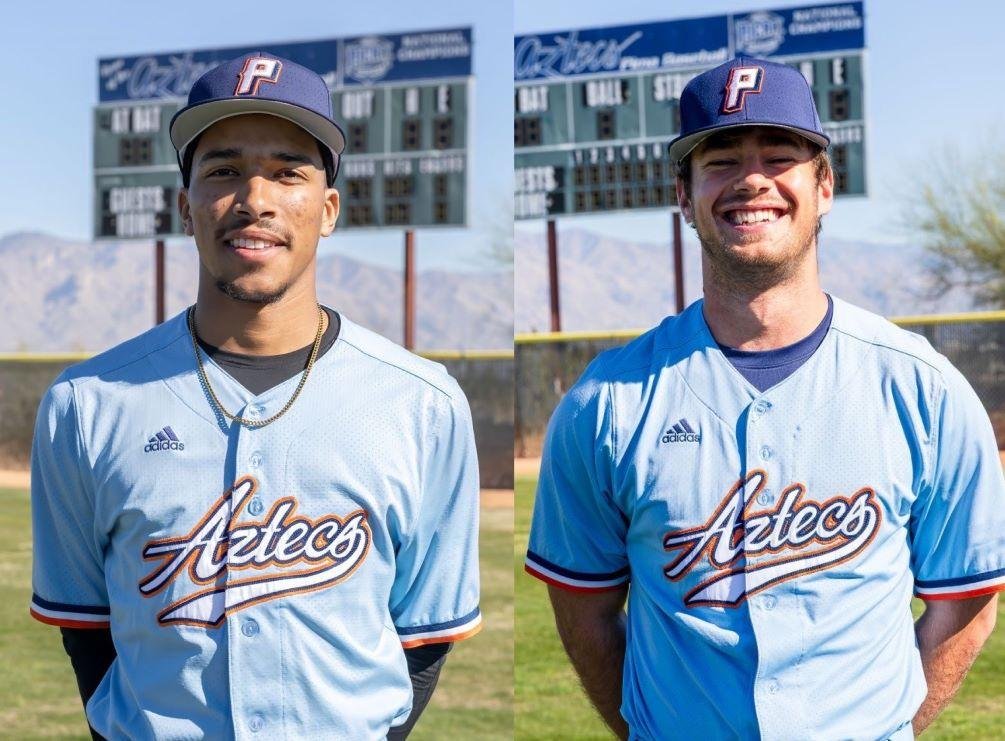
[681, 148]
[190, 122]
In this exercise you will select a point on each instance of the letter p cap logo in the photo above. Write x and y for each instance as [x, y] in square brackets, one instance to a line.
[742, 80]
[256, 71]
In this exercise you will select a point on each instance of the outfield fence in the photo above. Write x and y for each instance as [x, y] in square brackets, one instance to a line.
[547, 364]
[485, 375]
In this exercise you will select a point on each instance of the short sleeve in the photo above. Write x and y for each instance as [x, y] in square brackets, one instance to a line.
[68, 581]
[577, 535]
[434, 598]
[958, 519]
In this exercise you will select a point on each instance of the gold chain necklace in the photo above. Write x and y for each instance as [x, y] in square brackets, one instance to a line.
[216, 402]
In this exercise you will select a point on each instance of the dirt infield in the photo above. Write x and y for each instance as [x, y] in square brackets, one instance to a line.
[497, 498]
[14, 479]
[526, 466]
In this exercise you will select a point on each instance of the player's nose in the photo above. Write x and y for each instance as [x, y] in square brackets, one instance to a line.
[254, 198]
[752, 175]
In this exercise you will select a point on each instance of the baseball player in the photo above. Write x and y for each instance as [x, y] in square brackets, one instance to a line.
[767, 477]
[261, 511]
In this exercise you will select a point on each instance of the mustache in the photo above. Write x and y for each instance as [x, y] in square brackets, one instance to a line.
[268, 225]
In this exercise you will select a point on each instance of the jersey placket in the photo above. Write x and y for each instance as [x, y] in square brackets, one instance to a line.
[773, 610]
[253, 633]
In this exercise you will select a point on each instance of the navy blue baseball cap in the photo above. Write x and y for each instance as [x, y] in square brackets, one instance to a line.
[259, 83]
[746, 92]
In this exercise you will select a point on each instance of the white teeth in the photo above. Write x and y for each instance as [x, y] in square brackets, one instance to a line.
[251, 244]
[752, 217]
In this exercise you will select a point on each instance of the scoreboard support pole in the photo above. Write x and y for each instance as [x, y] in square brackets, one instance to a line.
[159, 312]
[678, 263]
[556, 315]
[409, 292]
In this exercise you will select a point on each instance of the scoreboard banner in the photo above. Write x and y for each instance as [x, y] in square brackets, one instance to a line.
[402, 100]
[596, 108]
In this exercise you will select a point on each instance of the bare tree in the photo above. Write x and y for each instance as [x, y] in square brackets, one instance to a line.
[957, 210]
[498, 226]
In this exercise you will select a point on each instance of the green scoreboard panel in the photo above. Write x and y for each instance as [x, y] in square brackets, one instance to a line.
[136, 177]
[408, 161]
[595, 109]
[402, 101]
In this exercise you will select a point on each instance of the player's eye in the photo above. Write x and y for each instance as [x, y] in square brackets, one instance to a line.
[289, 173]
[222, 171]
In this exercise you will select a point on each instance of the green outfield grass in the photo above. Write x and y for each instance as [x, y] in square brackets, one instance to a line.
[550, 703]
[474, 699]
[38, 699]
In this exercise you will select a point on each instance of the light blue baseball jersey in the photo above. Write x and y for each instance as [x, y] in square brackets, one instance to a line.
[257, 582]
[771, 540]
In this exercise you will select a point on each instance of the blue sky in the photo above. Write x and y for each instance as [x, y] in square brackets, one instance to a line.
[51, 89]
[930, 84]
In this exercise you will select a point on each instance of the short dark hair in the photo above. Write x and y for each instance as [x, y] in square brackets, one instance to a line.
[186, 163]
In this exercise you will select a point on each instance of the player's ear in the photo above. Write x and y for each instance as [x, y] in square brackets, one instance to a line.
[684, 202]
[186, 211]
[330, 214]
[825, 187]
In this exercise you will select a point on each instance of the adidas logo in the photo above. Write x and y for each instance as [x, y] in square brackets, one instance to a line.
[681, 432]
[164, 440]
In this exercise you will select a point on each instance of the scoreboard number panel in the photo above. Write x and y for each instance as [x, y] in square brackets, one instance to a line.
[401, 99]
[413, 170]
[133, 135]
[596, 108]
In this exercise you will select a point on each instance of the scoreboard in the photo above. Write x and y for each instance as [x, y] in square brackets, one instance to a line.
[596, 108]
[402, 101]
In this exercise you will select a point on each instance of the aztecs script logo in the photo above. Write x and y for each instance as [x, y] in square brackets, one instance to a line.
[311, 555]
[802, 536]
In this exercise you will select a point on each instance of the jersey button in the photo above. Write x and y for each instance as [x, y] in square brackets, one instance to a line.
[255, 460]
[773, 686]
[770, 601]
[761, 407]
[255, 506]
[766, 453]
[764, 498]
[250, 628]
[254, 410]
[256, 723]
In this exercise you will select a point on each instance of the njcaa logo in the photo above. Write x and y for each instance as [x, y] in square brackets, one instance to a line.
[801, 537]
[681, 432]
[306, 555]
[369, 58]
[759, 34]
[164, 440]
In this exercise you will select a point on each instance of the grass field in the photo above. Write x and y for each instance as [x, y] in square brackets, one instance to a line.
[551, 705]
[39, 697]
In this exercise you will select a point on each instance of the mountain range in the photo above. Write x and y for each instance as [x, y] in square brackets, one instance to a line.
[609, 283]
[59, 295]
[64, 295]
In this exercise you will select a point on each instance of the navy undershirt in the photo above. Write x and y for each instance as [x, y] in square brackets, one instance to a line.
[765, 368]
[259, 373]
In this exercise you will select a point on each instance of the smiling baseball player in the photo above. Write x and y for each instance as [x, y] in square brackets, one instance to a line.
[263, 512]
[773, 472]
